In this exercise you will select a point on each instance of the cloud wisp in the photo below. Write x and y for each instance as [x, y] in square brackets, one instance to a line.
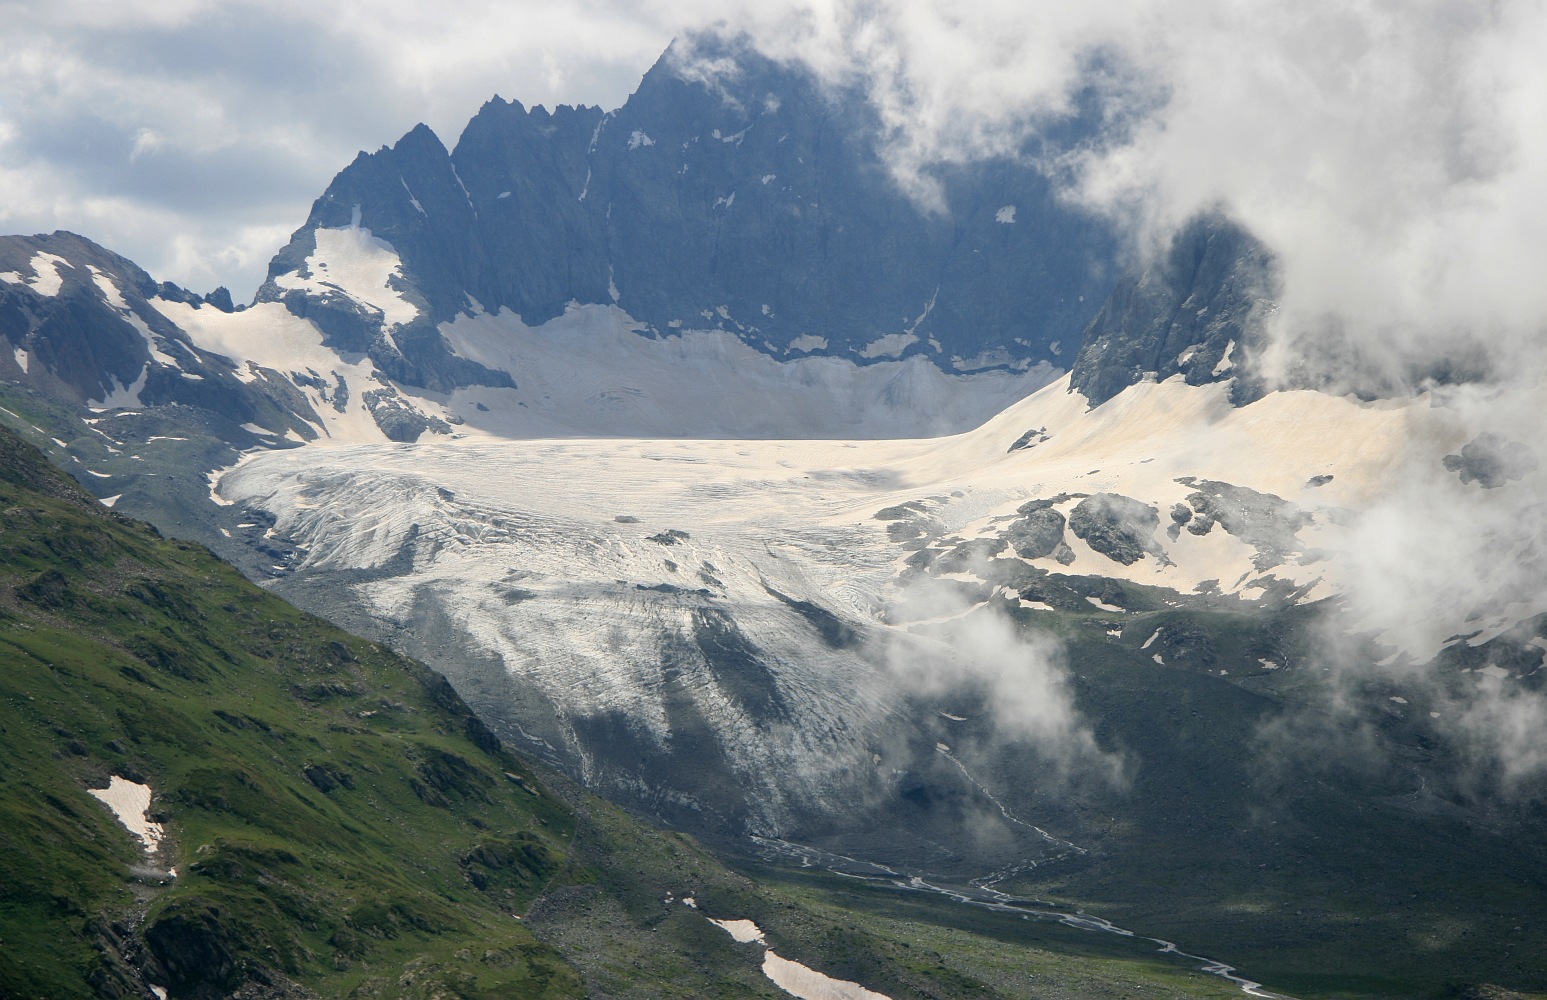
[1389, 154]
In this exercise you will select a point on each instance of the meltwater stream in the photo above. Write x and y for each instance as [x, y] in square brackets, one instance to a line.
[980, 893]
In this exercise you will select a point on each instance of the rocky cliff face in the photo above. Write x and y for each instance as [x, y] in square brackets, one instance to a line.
[82, 325]
[750, 200]
[1195, 312]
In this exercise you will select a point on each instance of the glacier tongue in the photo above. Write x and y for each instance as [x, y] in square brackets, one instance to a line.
[704, 625]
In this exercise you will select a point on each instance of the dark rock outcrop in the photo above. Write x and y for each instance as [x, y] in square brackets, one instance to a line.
[1120, 528]
[1490, 460]
[1038, 534]
[1195, 312]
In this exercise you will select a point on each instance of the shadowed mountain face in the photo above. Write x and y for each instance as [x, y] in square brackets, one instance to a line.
[752, 201]
[1196, 311]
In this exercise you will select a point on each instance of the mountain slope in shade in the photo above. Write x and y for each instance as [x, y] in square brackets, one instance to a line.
[751, 201]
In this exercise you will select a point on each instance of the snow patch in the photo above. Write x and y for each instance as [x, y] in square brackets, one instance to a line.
[808, 342]
[411, 199]
[130, 802]
[790, 976]
[808, 984]
[267, 335]
[1225, 363]
[742, 931]
[1005, 215]
[352, 262]
[112, 500]
[119, 396]
[890, 346]
[46, 278]
[23, 360]
[638, 139]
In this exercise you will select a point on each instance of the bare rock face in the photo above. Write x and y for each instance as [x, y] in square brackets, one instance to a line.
[1490, 461]
[1120, 528]
[1268, 523]
[728, 193]
[1038, 534]
[1194, 312]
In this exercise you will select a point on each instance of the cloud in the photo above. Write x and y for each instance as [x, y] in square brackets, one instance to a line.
[977, 654]
[186, 134]
[1389, 153]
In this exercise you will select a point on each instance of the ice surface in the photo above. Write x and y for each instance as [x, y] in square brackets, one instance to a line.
[515, 536]
[590, 372]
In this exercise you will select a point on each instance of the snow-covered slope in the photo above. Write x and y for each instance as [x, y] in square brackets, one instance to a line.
[764, 605]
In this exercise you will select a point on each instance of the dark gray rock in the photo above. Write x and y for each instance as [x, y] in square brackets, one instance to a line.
[1264, 521]
[969, 556]
[81, 344]
[1490, 461]
[399, 420]
[1030, 439]
[756, 202]
[1182, 314]
[1038, 534]
[1120, 528]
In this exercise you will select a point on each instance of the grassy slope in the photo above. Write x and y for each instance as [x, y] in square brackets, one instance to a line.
[327, 800]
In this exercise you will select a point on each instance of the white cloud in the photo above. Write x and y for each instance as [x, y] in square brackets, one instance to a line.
[180, 133]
